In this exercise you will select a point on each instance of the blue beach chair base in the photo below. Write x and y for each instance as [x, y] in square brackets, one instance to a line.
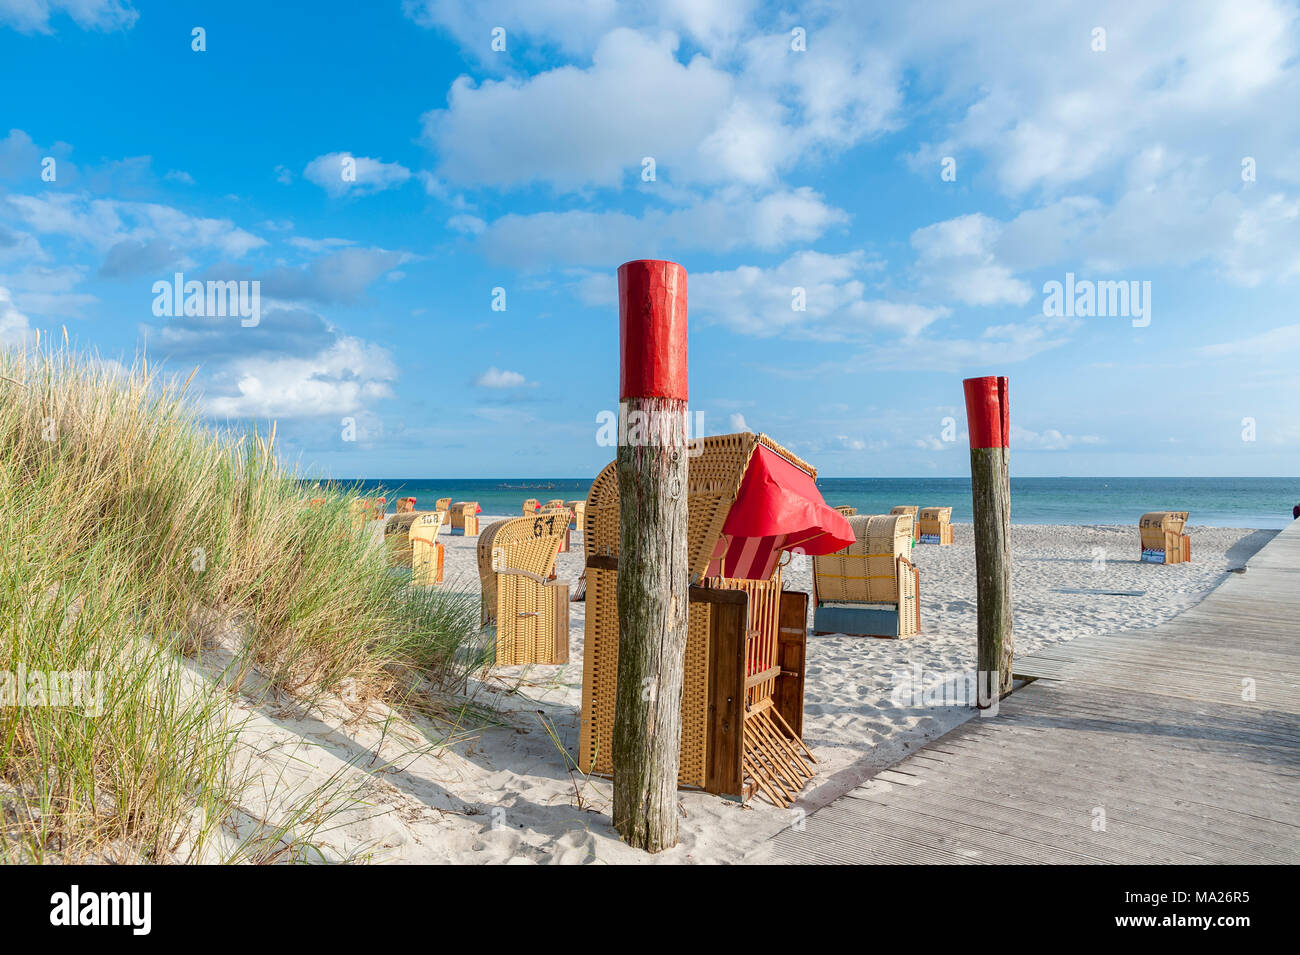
[859, 621]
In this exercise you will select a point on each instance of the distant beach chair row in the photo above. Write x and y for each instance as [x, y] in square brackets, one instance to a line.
[930, 525]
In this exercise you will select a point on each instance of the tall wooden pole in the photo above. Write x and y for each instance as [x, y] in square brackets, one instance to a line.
[653, 576]
[988, 418]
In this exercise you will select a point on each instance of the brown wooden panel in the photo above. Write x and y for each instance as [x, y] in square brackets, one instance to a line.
[792, 642]
[723, 773]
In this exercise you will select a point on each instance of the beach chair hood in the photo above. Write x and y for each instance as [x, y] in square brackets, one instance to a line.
[778, 508]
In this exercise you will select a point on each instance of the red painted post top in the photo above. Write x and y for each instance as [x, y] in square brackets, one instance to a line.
[988, 413]
[652, 329]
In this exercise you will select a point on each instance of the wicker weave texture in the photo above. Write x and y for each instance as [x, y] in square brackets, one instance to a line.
[600, 683]
[714, 476]
[867, 570]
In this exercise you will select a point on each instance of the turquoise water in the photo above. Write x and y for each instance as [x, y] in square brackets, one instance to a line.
[1221, 502]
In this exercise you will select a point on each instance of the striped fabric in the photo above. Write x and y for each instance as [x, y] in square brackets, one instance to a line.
[746, 558]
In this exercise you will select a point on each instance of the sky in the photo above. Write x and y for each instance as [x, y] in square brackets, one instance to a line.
[872, 202]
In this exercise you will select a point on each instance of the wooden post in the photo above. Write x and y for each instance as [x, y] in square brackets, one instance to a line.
[989, 422]
[653, 576]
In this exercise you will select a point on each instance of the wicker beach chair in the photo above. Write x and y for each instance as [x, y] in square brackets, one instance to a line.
[464, 518]
[443, 506]
[427, 554]
[934, 526]
[361, 510]
[1163, 540]
[742, 703]
[869, 588]
[531, 507]
[911, 511]
[405, 505]
[848, 510]
[577, 509]
[561, 513]
[528, 609]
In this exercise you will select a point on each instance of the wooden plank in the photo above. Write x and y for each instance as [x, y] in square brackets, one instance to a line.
[791, 654]
[723, 771]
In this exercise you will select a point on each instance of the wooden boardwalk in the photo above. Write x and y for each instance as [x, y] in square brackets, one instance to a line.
[1151, 733]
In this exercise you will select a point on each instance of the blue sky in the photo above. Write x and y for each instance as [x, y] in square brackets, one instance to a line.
[796, 146]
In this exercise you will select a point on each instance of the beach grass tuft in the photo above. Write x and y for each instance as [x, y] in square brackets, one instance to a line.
[135, 540]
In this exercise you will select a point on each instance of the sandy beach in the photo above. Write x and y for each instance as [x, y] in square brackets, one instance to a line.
[506, 793]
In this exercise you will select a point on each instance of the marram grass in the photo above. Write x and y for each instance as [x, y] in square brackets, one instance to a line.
[132, 537]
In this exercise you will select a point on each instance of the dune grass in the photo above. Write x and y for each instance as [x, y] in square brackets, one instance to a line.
[132, 537]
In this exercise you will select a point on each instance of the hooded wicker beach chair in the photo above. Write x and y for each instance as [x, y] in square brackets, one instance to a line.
[1163, 540]
[911, 511]
[531, 507]
[749, 503]
[552, 504]
[362, 510]
[934, 526]
[464, 518]
[522, 601]
[427, 554]
[577, 509]
[869, 588]
[848, 510]
[405, 505]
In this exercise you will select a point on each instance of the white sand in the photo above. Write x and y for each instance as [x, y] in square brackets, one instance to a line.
[505, 795]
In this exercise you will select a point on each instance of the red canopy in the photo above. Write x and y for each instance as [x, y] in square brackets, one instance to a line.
[778, 499]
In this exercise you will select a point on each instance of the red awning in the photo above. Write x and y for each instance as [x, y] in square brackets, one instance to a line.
[778, 499]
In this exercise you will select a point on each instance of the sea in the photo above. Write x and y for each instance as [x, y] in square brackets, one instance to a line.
[1217, 502]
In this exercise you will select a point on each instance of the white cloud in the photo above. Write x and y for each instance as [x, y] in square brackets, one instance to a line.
[572, 128]
[33, 16]
[103, 223]
[316, 246]
[1048, 440]
[719, 224]
[1276, 341]
[831, 288]
[49, 291]
[1048, 111]
[956, 258]
[342, 173]
[701, 120]
[576, 26]
[998, 345]
[737, 422]
[341, 379]
[14, 327]
[499, 378]
[467, 224]
[340, 276]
